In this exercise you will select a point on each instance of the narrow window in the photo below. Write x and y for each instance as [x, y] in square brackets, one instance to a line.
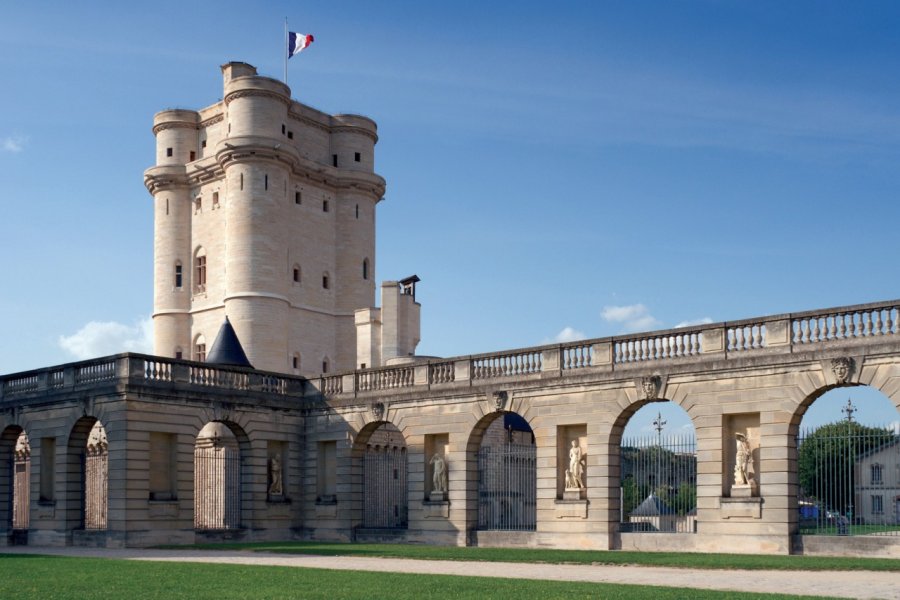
[334, 160]
[296, 274]
[877, 504]
[325, 366]
[193, 155]
[198, 204]
[357, 211]
[168, 152]
[324, 205]
[242, 181]
[296, 197]
[876, 474]
[179, 354]
[267, 182]
[365, 268]
[295, 362]
[203, 144]
[325, 281]
[283, 129]
[215, 199]
[178, 276]
[356, 156]
[167, 206]
[48, 462]
[290, 135]
[200, 351]
[200, 273]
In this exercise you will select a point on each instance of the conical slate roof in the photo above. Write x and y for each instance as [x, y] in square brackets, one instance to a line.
[651, 507]
[227, 349]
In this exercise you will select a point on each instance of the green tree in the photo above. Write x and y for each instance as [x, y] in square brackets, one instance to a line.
[826, 461]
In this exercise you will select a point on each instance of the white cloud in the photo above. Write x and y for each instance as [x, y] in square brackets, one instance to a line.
[101, 338]
[13, 143]
[569, 334]
[634, 317]
[700, 321]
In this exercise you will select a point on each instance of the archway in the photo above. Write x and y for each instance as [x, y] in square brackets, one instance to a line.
[381, 452]
[502, 446]
[217, 478]
[87, 472]
[847, 443]
[657, 469]
[15, 480]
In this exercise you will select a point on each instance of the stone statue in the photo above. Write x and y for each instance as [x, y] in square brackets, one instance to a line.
[841, 367]
[574, 479]
[275, 487]
[743, 460]
[439, 479]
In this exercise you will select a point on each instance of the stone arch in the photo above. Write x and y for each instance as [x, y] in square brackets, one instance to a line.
[501, 467]
[87, 475]
[15, 478]
[379, 476]
[221, 494]
[652, 485]
[844, 474]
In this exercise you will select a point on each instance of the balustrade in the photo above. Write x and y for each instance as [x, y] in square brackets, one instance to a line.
[576, 357]
[504, 365]
[745, 337]
[384, 379]
[442, 372]
[672, 345]
[862, 322]
[94, 372]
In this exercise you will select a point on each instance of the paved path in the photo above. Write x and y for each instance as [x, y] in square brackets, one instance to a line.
[845, 584]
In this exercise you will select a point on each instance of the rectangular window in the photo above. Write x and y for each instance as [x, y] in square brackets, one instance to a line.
[168, 152]
[326, 481]
[324, 205]
[200, 274]
[297, 198]
[283, 129]
[334, 160]
[267, 182]
[295, 363]
[201, 352]
[198, 204]
[877, 505]
[290, 135]
[876, 472]
[193, 155]
[203, 144]
[48, 464]
[215, 199]
[162, 466]
[178, 355]
[178, 276]
[356, 157]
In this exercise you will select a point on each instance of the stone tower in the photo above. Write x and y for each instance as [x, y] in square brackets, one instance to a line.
[264, 213]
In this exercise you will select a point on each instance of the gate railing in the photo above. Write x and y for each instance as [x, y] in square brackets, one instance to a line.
[658, 491]
[217, 488]
[849, 477]
[507, 488]
[385, 495]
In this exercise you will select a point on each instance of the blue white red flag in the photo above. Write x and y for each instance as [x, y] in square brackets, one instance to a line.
[298, 42]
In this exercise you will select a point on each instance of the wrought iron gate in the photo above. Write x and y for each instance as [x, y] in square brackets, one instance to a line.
[21, 477]
[507, 488]
[385, 496]
[96, 469]
[217, 488]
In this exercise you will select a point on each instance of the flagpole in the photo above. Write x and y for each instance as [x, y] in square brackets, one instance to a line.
[285, 49]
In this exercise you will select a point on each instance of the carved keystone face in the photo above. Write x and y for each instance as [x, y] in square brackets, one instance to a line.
[649, 387]
[841, 368]
[378, 411]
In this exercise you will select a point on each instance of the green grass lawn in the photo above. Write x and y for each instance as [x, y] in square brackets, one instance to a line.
[60, 578]
[616, 557]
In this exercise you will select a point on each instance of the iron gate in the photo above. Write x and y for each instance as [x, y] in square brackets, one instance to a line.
[21, 477]
[385, 496]
[96, 470]
[217, 488]
[507, 488]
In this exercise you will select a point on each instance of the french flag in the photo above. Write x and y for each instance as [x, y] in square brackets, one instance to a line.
[297, 42]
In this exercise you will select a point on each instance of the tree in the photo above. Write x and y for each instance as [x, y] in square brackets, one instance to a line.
[826, 461]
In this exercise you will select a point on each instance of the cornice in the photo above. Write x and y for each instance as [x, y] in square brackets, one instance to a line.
[173, 125]
[356, 130]
[307, 121]
[260, 93]
[164, 180]
[211, 121]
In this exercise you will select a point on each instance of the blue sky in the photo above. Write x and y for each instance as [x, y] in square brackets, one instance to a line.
[577, 168]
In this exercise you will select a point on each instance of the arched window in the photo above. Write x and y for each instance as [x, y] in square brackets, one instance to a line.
[200, 348]
[365, 268]
[200, 270]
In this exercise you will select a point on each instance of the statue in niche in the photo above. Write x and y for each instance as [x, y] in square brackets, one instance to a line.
[439, 479]
[575, 472]
[841, 367]
[275, 487]
[743, 460]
